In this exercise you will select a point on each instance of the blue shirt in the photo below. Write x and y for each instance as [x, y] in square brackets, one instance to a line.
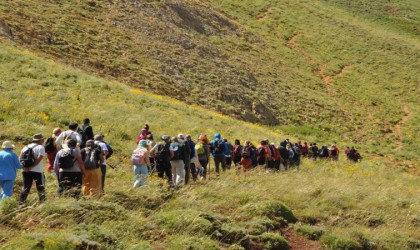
[9, 163]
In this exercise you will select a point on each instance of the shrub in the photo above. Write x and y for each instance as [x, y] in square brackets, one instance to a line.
[273, 241]
[336, 242]
[276, 209]
[310, 232]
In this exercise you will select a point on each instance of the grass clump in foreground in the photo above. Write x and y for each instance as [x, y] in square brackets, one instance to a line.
[364, 203]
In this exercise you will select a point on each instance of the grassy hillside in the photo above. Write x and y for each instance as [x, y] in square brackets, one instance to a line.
[342, 70]
[364, 206]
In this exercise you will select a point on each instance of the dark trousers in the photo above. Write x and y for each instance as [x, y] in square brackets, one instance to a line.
[187, 168]
[70, 184]
[219, 160]
[228, 162]
[193, 171]
[204, 163]
[277, 164]
[237, 160]
[28, 179]
[103, 170]
[164, 169]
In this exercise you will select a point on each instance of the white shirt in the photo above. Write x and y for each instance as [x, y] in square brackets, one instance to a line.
[103, 148]
[73, 135]
[38, 150]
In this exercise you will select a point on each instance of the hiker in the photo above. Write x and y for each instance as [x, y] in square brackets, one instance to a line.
[98, 139]
[140, 160]
[147, 128]
[347, 152]
[246, 156]
[237, 151]
[276, 157]
[85, 132]
[284, 154]
[291, 154]
[51, 148]
[218, 149]
[31, 158]
[142, 135]
[310, 151]
[334, 152]
[228, 156]
[187, 159]
[271, 157]
[202, 149]
[297, 155]
[194, 163]
[254, 158]
[150, 144]
[9, 163]
[263, 153]
[315, 151]
[178, 156]
[161, 154]
[324, 153]
[305, 149]
[69, 167]
[92, 160]
[67, 135]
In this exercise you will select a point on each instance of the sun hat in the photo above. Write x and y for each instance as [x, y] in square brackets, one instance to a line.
[37, 137]
[143, 144]
[8, 145]
[98, 137]
[181, 136]
[165, 137]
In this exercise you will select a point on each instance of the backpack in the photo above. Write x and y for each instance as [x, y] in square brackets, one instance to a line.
[219, 147]
[334, 152]
[49, 145]
[261, 152]
[28, 157]
[298, 152]
[162, 152]
[110, 150]
[199, 148]
[246, 152]
[66, 159]
[138, 156]
[175, 150]
[90, 157]
[82, 133]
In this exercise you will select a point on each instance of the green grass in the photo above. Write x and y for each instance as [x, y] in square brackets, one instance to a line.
[238, 58]
[372, 204]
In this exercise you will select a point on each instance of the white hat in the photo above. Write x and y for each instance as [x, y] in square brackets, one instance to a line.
[7, 144]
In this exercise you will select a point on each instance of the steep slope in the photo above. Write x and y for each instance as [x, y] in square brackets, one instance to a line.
[339, 205]
[321, 65]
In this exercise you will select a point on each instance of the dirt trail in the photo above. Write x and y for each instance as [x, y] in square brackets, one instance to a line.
[398, 127]
[297, 242]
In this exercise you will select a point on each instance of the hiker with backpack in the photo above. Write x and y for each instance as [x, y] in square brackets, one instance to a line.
[194, 162]
[218, 149]
[9, 164]
[246, 156]
[315, 151]
[178, 158]
[150, 144]
[305, 149]
[98, 139]
[271, 156]
[284, 154]
[67, 135]
[229, 154]
[85, 132]
[324, 152]
[69, 167]
[51, 148]
[297, 155]
[237, 151]
[141, 162]
[161, 154]
[31, 158]
[334, 152]
[276, 157]
[291, 154]
[187, 159]
[202, 149]
[92, 160]
[263, 154]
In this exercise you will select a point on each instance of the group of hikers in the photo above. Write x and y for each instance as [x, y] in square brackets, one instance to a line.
[79, 159]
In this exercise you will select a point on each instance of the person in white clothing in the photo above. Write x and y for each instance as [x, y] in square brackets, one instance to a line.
[67, 135]
[104, 151]
[34, 172]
